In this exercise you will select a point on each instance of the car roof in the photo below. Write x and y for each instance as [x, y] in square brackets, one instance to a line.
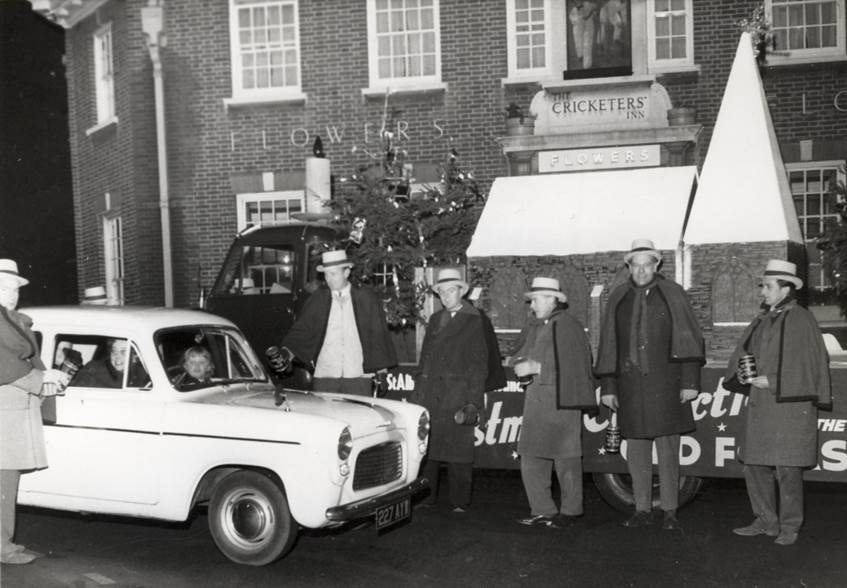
[149, 318]
[269, 235]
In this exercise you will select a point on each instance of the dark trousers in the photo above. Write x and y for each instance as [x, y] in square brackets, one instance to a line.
[639, 462]
[537, 481]
[357, 386]
[760, 488]
[459, 480]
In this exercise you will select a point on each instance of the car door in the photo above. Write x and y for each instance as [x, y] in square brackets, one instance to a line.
[105, 441]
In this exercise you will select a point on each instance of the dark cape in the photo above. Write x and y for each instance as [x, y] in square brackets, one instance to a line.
[307, 334]
[802, 363]
[453, 370]
[686, 343]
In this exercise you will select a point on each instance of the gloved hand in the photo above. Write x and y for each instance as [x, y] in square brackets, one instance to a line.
[279, 358]
[380, 384]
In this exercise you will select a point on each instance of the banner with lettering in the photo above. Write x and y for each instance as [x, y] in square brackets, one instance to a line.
[707, 452]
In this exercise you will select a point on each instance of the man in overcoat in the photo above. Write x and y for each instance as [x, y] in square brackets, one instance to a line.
[792, 381]
[341, 331]
[555, 351]
[453, 372]
[649, 360]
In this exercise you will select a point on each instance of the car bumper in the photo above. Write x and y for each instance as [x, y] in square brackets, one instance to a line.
[368, 506]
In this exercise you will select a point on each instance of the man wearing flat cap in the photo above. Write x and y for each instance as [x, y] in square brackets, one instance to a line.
[554, 351]
[791, 381]
[454, 367]
[649, 360]
[341, 331]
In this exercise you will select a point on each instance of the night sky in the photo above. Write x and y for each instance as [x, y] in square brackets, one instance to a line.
[36, 202]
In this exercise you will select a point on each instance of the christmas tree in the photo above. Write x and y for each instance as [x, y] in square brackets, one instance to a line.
[392, 231]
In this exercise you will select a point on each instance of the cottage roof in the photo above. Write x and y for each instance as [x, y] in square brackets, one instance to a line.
[583, 212]
[743, 194]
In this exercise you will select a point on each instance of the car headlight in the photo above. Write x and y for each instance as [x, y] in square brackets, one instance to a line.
[345, 444]
[423, 426]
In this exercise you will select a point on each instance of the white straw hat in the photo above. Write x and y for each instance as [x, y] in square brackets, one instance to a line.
[546, 287]
[9, 269]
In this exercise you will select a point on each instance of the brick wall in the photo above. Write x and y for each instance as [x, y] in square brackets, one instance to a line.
[208, 144]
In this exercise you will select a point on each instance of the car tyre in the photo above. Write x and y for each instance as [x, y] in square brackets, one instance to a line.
[249, 519]
[616, 489]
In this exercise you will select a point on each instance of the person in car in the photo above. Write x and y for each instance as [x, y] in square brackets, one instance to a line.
[780, 435]
[107, 372]
[24, 381]
[197, 367]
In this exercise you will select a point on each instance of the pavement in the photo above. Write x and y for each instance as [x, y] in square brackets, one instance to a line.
[482, 547]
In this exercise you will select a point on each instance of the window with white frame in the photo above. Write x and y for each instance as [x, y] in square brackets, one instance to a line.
[528, 38]
[104, 75]
[404, 43]
[113, 255]
[807, 28]
[265, 49]
[268, 208]
[670, 33]
[814, 199]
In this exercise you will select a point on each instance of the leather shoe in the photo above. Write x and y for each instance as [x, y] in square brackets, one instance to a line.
[546, 521]
[670, 522]
[786, 538]
[756, 528]
[565, 520]
[641, 518]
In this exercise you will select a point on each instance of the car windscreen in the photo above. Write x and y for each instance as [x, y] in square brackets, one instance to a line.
[258, 269]
[198, 356]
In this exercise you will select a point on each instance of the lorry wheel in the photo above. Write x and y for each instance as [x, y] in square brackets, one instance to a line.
[616, 489]
[249, 519]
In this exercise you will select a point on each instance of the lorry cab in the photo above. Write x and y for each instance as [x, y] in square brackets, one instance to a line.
[266, 277]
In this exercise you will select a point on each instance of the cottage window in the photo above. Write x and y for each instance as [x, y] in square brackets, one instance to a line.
[266, 209]
[811, 187]
[670, 33]
[265, 50]
[104, 75]
[404, 44]
[806, 29]
[528, 37]
[113, 256]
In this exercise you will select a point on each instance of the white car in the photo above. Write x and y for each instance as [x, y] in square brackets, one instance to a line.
[266, 461]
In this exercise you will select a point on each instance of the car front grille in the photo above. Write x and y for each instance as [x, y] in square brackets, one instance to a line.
[378, 465]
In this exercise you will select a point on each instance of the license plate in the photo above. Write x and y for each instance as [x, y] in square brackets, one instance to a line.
[392, 514]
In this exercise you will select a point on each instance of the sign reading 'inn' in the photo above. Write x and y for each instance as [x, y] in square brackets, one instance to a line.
[592, 107]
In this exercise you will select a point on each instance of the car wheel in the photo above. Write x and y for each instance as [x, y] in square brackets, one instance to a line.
[616, 489]
[249, 519]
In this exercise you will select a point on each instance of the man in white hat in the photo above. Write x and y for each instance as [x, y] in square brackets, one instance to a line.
[342, 332]
[24, 381]
[792, 381]
[454, 369]
[554, 351]
[649, 360]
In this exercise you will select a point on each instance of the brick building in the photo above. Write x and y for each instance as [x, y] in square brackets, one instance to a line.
[247, 85]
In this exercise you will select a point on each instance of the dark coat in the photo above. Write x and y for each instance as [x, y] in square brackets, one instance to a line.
[782, 421]
[99, 373]
[306, 336]
[649, 403]
[454, 367]
[552, 417]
